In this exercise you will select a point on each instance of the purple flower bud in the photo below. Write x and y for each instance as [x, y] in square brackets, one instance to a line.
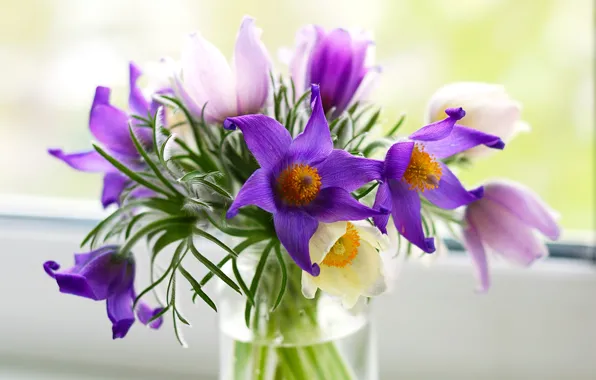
[505, 220]
[103, 275]
[336, 61]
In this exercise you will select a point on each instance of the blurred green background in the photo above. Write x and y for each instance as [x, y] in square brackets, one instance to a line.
[54, 53]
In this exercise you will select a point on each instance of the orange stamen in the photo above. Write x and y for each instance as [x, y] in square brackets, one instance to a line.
[423, 172]
[345, 248]
[299, 184]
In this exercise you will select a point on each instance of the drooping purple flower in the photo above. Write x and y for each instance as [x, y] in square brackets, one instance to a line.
[301, 181]
[336, 61]
[110, 126]
[504, 221]
[207, 80]
[412, 168]
[102, 275]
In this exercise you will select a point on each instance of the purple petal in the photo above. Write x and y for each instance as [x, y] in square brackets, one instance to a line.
[208, 79]
[266, 138]
[294, 229]
[257, 191]
[475, 248]
[50, 267]
[110, 126]
[314, 144]
[334, 204]
[461, 139]
[341, 169]
[397, 159]
[102, 96]
[306, 40]
[406, 215]
[119, 307]
[331, 67]
[251, 64]
[525, 205]
[344, 94]
[113, 185]
[507, 235]
[439, 129]
[382, 203]
[84, 161]
[146, 312]
[95, 279]
[137, 103]
[450, 193]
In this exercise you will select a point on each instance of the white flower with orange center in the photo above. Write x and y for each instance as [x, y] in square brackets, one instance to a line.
[349, 255]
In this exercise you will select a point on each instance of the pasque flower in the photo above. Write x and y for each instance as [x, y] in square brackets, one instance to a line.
[504, 222]
[413, 168]
[336, 61]
[488, 109]
[208, 80]
[301, 181]
[110, 126]
[103, 275]
[350, 262]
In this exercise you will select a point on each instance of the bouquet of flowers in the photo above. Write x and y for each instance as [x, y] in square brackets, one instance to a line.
[306, 200]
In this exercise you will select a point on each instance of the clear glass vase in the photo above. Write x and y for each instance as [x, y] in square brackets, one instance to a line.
[302, 339]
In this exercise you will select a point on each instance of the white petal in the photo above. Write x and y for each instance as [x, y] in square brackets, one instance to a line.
[207, 78]
[251, 68]
[323, 239]
[368, 267]
[306, 39]
[309, 288]
[371, 234]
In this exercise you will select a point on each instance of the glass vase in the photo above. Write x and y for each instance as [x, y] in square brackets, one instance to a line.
[301, 339]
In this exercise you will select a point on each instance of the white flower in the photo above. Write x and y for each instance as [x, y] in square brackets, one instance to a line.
[207, 78]
[488, 109]
[349, 255]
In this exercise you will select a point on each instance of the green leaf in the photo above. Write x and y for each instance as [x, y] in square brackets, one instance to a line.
[198, 174]
[150, 162]
[367, 191]
[212, 267]
[218, 189]
[101, 225]
[164, 205]
[129, 173]
[134, 220]
[250, 298]
[170, 236]
[371, 122]
[284, 277]
[159, 315]
[396, 126]
[215, 240]
[256, 279]
[160, 224]
[374, 145]
[197, 288]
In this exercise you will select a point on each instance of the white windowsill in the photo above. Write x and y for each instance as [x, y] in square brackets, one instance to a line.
[534, 324]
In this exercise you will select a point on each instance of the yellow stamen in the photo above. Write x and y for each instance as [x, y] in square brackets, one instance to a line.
[423, 172]
[345, 248]
[299, 184]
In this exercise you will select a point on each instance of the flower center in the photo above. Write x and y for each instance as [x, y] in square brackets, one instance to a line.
[299, 184]
[423, 172]
[345, 248]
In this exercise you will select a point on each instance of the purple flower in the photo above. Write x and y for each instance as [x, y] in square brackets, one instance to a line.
[102, 275]
[334, 60]
[504, 220]
[412, 169]
[109, 125]
[301, 181]
[226, 90]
